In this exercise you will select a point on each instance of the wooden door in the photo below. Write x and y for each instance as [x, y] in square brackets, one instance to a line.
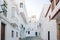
[58, 32]
[2, 31]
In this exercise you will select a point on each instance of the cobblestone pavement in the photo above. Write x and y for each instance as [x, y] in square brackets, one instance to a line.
[32, 38]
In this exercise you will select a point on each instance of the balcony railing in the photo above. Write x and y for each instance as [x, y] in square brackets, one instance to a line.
[4, 9]
[14, 21]
[57, 2]
[51, 0]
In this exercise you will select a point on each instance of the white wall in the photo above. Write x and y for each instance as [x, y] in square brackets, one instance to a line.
[47, 26]
[9, 27]
[53, 29]
[32, 27]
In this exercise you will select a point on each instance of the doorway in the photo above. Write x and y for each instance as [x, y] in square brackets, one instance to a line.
[48, 35]
[58, 32]
[2, 31]
[36, 33]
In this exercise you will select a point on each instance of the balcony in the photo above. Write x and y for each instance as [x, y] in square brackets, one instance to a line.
[57, 2]
[56, 12]
[3, 10]
[14, 22]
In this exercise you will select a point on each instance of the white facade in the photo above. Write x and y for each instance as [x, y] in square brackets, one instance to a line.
[23, 18]
[17, 21]
[13, 20]
[17, 25]
[33, 27]
[47, 25]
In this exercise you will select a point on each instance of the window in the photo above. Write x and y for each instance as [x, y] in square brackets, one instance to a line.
[39, 33]
[13, 12]
[36, 33]
[22, 25]
[12, 33]
[21, 5]
[40, 24]
[24, 28]
[16, 34]
[49, 16]
[28, 32]
[20, 33]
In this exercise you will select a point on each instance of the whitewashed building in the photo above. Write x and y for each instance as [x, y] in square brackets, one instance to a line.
[12, 20]
[23, 18]
[49, 20]
[9, 23]
[33, 29]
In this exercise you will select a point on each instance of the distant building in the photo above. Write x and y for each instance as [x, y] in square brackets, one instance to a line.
[32, 18]
[23, 18]
[33, 28]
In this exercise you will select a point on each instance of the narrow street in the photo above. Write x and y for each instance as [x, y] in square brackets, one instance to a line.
[32, 38]
[29, 19]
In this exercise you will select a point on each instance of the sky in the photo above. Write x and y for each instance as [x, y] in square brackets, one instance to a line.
[34, 7]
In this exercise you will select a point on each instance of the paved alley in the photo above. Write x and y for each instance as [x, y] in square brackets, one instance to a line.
[29, 19]
[32, 38]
